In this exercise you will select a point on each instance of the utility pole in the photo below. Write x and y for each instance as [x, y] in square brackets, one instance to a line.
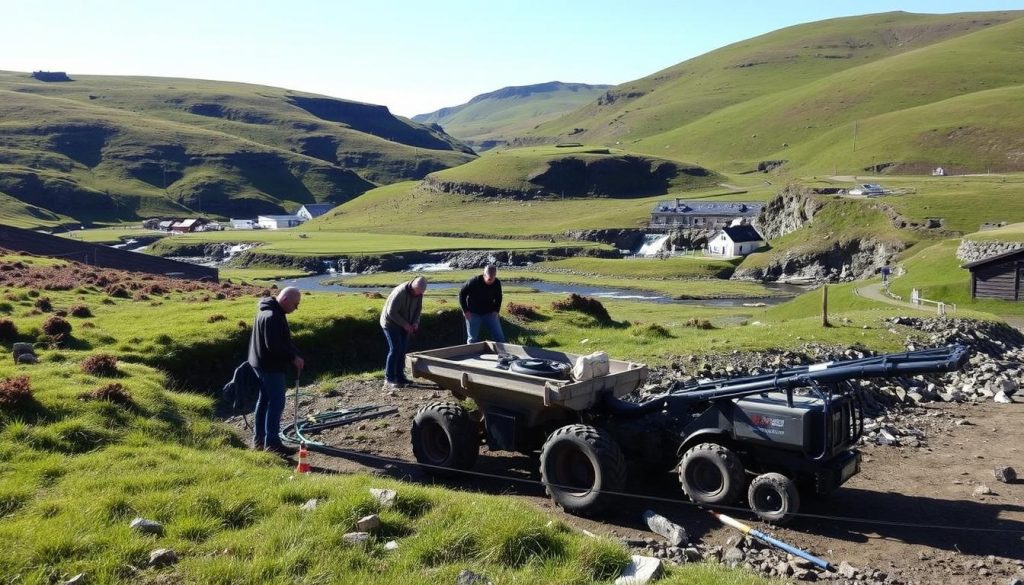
[824, 306]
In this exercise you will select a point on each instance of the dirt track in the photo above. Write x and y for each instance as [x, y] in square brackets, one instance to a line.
[932, 484]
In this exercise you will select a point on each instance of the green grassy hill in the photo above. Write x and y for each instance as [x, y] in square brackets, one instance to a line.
[779, 96]
[120, 148]
[496, 118]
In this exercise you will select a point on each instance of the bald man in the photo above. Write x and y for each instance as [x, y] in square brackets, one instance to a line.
[271, 351]
[399, 319]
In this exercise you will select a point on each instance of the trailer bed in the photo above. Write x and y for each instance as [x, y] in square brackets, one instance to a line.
[471, 370]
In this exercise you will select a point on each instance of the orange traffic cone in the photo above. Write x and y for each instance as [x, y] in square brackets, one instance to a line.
[303, 466]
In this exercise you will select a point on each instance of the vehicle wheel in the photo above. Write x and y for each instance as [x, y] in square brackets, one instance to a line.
[539, 367]
[444, 437]
[774, 498]
[579, 464]
[712, 474]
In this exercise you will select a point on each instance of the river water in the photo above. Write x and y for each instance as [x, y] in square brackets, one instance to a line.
[787, 291]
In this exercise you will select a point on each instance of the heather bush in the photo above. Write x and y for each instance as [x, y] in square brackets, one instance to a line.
[57, 327]
[699, 323]
[214, 318]
[8, 330]
[521, 311]
[112, 392]
[80, 311]
[586, 305]
[101, 364]
[44, 304]
[14, 391]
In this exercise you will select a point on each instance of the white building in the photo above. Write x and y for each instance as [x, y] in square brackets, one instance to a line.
[311, 210]
[243, 224]
[738, 240]
[276, 222]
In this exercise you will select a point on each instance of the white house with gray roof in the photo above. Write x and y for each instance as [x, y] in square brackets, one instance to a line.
[702, 214]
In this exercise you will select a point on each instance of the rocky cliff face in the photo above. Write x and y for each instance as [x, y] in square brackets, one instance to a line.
[793, 208]
[790, 210]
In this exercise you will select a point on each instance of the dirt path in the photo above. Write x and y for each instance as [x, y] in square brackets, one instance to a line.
[932, 484]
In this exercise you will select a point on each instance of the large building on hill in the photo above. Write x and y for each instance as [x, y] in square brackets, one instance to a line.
[702, 214]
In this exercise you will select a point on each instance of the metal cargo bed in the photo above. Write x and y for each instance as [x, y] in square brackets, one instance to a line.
[471, 370]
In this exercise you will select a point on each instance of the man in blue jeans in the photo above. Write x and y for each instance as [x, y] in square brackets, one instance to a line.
[399, 319]
[480, 299]
[271, 351]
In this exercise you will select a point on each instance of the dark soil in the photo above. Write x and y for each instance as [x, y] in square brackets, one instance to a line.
[874, 522]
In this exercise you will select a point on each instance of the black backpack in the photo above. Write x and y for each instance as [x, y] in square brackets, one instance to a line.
[241, 393]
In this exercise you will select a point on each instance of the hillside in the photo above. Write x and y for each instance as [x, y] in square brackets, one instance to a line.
[121, 148]
[796, 94]
[496, 118]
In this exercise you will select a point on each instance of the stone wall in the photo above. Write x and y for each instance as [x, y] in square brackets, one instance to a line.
[972, 250]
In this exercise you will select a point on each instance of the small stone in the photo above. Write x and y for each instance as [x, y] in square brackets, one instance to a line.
[78, 579]
[692, 554]
[162, 557]
[982, 490]
[368, 523]
[384, 497]
[732, 556]
[672, 532]
[27, 358]
[847, 570]
[1002, 398]
[356, 537]
[640, 570]
[147, 526]
[391, 545]
[309, 506]
[467, 577]
[1005, 474]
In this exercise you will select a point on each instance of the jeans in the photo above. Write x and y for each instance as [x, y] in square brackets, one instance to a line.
[490, 320]
[398, 343]
[269, 407]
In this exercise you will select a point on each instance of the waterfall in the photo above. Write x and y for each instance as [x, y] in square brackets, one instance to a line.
[653, 243]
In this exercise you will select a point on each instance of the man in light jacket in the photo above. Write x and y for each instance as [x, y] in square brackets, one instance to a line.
[400, 319]
[271, 351]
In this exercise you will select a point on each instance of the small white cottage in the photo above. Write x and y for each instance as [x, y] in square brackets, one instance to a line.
[276, 222]
[737, 240]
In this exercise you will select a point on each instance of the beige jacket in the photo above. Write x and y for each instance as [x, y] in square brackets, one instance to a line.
[402, 307]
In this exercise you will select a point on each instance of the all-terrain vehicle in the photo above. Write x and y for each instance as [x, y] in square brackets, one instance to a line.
[763, 438]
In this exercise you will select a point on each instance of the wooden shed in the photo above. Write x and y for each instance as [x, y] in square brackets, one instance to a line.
[998, 277]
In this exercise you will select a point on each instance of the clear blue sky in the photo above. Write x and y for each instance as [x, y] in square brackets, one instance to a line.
[414, 56]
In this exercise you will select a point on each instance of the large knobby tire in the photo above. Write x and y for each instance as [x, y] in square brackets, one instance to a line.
[539, 367]
[579, 465]
[774, 498]
[445, 438]
[712, 474]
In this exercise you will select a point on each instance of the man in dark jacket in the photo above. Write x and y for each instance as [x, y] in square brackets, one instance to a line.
[399, 319]
[480, 299]
[271, 351]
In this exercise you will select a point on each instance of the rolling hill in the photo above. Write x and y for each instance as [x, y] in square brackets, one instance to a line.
[896, 83]
[493, 119]
[100, 149]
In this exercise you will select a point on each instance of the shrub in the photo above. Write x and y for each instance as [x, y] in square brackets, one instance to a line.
[242, 324]
[116, 291]
[586, 305]
[112, 392]
[101, 364]
[524, 312]
[44, 304]
[8, 330]
[6, 307]
[57, 327]
[33, 293]
[650, 330]
[215, 317]
[80, 311]
[15, 391]
[699, 323]
[373, 295]
[140, 296]
[88, 325]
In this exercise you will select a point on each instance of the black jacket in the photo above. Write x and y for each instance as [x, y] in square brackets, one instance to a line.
[270, 347]
[476, 296]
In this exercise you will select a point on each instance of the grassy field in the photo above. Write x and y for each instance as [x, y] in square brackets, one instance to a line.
[406, 208]
[511, 111]
[1013, 232]
[101, 149]
[74, 469]
[675, 267]
[796, 94]
[111, 234]
[312, 241]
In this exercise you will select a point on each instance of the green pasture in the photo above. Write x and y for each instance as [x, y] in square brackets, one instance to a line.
[316, 240]
[111, 234]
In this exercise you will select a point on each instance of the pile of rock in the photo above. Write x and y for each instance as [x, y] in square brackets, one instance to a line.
[24, 353]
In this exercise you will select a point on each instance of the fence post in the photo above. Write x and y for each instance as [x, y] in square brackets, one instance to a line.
[824, 305]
